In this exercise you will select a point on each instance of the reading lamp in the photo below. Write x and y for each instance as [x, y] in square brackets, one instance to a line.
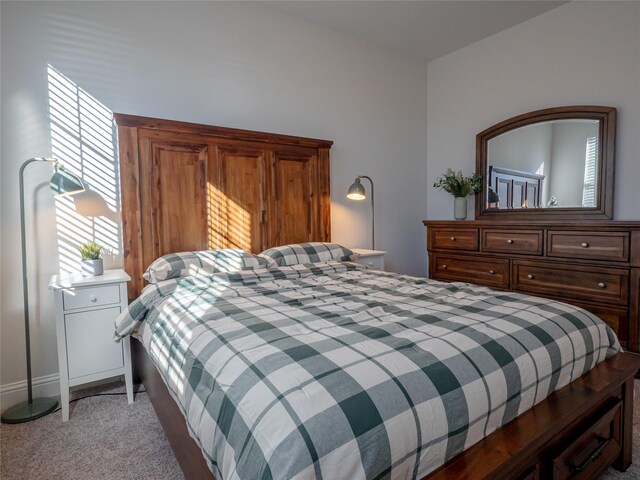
[357, 192]
[62, 183]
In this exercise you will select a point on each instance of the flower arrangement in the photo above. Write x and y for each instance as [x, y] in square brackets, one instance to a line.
[457, 185]
[90, 251]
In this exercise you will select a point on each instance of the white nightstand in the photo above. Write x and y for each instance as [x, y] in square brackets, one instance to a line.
[86, 308]
[370, 258]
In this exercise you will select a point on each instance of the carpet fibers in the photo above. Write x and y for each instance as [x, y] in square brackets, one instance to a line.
[105, 438]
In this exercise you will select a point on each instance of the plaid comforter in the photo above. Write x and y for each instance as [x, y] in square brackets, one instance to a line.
[333, 371]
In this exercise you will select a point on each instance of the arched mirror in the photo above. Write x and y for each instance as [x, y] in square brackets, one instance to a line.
[552, 163]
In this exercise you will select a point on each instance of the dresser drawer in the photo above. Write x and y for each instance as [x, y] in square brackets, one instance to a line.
[454, 238]
[590, 245]
[616, 318]
[91, 297]
[588, 456]
[609, 285]
[491, 272]
[512, 241]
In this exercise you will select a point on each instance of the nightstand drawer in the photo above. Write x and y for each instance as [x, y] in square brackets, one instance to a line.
[454, 238]
[91, 297]
[616, 318]
[491, 272]
[90, 345]
[591, 245]
[512, 241]
[372, 261]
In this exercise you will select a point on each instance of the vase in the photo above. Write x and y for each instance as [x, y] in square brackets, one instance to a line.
[460, 208]
[92, 268]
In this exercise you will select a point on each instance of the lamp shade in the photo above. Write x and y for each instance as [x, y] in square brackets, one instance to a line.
[493, 196]
[356, 191]
[64, 183]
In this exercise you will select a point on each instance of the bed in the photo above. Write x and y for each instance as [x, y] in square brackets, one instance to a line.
[575, 432]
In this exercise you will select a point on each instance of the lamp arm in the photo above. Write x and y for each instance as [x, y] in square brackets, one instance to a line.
[373, 213]
[25, 289]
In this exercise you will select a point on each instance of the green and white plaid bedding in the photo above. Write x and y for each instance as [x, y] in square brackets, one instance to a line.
[337, 372]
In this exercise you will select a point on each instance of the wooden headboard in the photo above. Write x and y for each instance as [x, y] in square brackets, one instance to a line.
[186, 186]
[516, 189]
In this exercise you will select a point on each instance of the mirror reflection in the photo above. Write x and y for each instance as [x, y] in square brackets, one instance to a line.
[549, 164]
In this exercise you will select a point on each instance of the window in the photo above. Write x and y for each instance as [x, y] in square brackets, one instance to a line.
[590, 161]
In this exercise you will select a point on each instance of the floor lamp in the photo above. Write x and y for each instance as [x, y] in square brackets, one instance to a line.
[357, 192]
[62, 183]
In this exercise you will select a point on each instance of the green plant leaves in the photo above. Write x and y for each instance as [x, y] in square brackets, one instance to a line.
[454, 183]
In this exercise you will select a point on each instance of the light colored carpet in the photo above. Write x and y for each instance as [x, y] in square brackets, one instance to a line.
[107, 439]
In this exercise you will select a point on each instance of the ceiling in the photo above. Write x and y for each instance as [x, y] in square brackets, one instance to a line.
[422, 29]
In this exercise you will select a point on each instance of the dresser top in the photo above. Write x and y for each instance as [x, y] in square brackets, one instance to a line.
[77, 280]
[557, 225]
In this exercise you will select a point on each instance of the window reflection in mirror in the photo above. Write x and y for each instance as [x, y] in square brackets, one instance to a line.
[551, 164]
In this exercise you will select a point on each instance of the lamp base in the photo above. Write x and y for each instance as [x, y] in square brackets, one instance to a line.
[25, 411]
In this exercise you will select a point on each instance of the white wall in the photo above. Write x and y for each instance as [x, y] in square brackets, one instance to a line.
[580, 53]
[234, 65]
[527, 149]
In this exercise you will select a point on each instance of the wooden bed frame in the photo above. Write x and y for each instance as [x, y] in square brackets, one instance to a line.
[587, 425]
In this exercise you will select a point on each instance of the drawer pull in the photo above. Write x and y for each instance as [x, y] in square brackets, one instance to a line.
[453, 239]
[509, 241]
[444, 267]
[603, 442]
[530, 277]
[492, 272]
[584, 244]
[602, 285]
[93, 299]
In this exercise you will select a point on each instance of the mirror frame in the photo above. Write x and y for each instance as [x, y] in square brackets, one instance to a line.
[606, 117]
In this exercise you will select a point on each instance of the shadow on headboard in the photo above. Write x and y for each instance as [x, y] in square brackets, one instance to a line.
[187, 186]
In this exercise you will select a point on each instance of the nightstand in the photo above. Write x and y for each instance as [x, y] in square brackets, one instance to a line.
[370, 258]
[86, 308]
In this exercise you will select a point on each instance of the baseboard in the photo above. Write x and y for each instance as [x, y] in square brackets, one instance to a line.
[47, 386]
[12, 393]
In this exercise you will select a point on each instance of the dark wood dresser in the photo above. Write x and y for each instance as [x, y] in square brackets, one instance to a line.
[594, 265]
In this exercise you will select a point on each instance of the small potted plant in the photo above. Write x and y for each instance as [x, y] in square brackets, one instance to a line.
[460, 187]
[91, 254]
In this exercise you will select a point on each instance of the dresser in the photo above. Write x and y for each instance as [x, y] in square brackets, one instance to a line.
[594, 265]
